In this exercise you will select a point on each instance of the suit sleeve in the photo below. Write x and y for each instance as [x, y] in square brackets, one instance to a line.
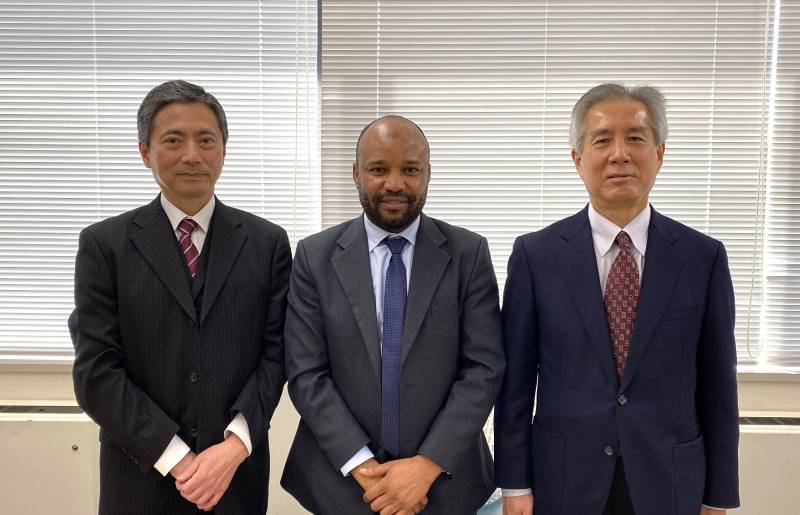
[311, 387]
[717, 401]
[514, 409]
[102, 386]
[262, 391]
[480, 370]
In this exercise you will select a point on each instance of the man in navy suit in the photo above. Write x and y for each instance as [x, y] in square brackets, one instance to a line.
[618, 322]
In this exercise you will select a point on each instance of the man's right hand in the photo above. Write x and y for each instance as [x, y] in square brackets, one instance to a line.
[363, 480]
[185, 468]
[366, 482]
[518, 505]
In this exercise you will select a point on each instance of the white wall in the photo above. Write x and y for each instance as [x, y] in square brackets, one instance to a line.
[43, 474]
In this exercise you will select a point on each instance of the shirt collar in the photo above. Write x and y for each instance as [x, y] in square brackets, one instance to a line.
[604, 231]
[202, 217]
[375, 235]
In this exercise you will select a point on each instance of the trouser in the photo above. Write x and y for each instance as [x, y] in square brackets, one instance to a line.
[619, 499]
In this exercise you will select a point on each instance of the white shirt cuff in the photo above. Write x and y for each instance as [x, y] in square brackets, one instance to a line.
[174, 453]
[713, 508]
[516, 492]
[239, 427]
[360, 457]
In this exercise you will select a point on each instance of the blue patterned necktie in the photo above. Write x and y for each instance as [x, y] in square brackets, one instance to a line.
[394, 315]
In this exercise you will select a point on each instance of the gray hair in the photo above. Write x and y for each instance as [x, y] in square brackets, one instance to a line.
[651, 97]
[172, 92]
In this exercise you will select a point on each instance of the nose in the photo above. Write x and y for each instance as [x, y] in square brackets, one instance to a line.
[619, 152]
[191, 152]
[394, 181]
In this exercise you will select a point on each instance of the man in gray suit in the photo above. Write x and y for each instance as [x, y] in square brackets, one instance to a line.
[393, 347]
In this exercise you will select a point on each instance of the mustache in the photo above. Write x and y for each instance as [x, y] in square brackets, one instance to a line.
[378, 197]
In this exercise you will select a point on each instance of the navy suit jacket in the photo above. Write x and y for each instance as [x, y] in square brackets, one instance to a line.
[672, 417]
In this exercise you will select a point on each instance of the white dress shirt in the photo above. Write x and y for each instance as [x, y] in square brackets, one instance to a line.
[379, 256]
[177, 448]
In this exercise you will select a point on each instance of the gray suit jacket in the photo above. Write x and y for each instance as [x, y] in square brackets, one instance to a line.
[452, 362]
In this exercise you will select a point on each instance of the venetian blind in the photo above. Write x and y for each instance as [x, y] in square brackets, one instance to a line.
[72, 75]
[781, 343]
[492, 83]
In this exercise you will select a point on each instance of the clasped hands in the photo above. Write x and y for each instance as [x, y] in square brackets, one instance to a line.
[397, 487]
[203, 478]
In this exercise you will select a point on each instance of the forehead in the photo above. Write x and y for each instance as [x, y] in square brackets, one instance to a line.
[392, 135]
[617, 114]
[185, 116]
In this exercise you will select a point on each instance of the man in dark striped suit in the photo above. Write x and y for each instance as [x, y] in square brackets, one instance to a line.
[178, 327]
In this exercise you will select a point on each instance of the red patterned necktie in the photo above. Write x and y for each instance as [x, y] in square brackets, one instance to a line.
[190, 253]
[622, 300]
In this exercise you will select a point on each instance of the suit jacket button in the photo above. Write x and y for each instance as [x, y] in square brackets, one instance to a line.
[193, 432]
[622, 400]
[194, 377]
[609, 450]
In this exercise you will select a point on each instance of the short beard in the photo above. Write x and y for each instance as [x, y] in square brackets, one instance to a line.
[372, 210]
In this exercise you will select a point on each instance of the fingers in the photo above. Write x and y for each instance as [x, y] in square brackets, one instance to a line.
[208, 506]
[188, 471]
[382, 503]
[392, 510]
[193, 488]
[375, 492]
[376, 471]
[204, 499]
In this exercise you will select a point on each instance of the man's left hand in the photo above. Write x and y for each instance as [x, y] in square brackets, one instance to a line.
[705, 510]
[404, 487]
[215, 468]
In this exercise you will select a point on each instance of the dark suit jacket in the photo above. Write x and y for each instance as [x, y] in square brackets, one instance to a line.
[452, 365]
[152, 361]
[673, 416]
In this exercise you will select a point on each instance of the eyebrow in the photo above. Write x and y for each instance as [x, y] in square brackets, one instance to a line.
[632, 128]
[178, 132]
[382, 162]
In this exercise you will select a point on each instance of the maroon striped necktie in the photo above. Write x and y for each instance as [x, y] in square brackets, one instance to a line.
[190, 253]
[622, 300]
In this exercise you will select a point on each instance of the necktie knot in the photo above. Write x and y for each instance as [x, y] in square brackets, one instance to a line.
[395, 245]
[187, 226]
[623, 241]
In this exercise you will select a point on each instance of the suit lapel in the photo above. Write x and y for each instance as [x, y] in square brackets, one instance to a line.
[662, 265]
[578, 266]
[227, 239]
[156, 242]
[427, 268]
[353, 271]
